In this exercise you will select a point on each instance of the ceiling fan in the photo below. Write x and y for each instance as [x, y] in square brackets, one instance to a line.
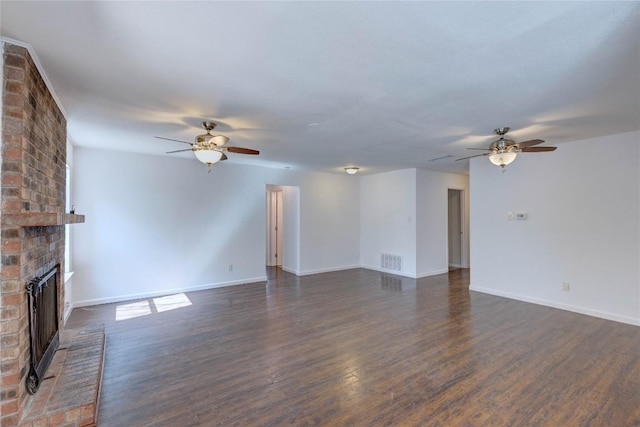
[210, 149]
[504, 151]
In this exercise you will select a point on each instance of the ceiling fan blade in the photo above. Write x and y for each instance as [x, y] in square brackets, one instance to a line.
[224, 157]
[241, 150]
[175, 140]
[446, 156]
[537, 149]
[482, 149]
[471, 157]
[529, 143]
[179, 151]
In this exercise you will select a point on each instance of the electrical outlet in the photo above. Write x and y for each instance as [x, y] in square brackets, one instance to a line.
[566, 287]
[230, 267]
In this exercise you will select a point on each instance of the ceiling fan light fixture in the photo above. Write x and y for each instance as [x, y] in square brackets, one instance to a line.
[210, 149]
[504, 151]
[208, 157]
[503, 158]
[351, 170]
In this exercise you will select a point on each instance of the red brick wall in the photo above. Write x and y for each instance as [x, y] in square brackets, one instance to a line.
[33, 180]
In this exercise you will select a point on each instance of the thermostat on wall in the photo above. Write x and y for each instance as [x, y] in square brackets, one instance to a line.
[521, 216]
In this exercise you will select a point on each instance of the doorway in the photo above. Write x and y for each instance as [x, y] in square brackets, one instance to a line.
[275, 227]
[455, 228]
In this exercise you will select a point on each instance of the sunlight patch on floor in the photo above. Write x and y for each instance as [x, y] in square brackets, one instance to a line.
[132, 310]
[151, 306]
[171, 302]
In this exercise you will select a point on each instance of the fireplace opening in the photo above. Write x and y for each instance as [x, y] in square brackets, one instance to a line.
[43, 325]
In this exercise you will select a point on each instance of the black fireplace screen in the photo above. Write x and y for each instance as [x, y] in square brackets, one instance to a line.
[43, 325]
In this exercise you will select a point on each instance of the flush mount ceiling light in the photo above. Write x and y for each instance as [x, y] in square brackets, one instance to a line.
[351, 170]
[211, 149]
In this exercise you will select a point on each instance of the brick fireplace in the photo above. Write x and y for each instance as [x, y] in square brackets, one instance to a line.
[33, 169]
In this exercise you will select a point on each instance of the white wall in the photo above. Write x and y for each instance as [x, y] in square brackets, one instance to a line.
[291, 225]
[328, 222]
[432, 224]
[157, 225]
[388, 219]
[583, 228]
[405, 213]
[69, 229]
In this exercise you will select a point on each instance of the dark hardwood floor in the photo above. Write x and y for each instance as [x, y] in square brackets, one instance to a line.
[362, 348]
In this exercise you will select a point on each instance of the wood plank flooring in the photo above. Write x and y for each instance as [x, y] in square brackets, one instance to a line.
[362, 348]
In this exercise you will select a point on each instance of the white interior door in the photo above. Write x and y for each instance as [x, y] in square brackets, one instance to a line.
[274, 228]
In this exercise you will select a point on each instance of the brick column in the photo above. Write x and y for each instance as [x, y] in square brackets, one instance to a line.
[33, 180]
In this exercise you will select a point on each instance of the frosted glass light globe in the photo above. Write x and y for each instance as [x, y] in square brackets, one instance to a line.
[208, 157]
[503, 159]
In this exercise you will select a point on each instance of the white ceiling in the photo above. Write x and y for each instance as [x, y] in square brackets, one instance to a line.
[322, 85]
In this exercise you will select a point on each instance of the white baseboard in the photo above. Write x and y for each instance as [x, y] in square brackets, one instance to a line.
[67, 313]
[325, 270]
[404, 274]
[432, 273]
[351, 267]
[153, 294]
[384, 270]
[553, 304]
[290, 270]
[68, 290]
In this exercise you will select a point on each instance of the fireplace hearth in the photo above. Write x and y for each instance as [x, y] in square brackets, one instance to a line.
[43, 325]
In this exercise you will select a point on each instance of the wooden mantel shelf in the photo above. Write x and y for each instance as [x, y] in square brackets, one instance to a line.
[42, 219]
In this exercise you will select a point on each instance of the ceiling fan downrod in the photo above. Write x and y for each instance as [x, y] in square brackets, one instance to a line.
[209, 126]
[502, 131]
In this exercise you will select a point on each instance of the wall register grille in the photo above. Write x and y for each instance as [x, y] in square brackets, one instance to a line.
[391, 262]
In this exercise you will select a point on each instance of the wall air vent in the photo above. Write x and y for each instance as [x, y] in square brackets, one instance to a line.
[391, 262]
